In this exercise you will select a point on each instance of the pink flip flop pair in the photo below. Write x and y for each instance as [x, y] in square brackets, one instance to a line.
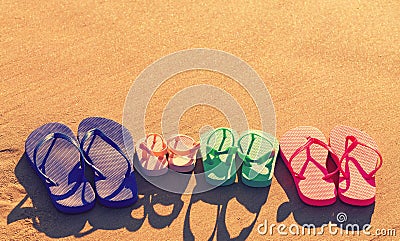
[153, 149]
[304, 151]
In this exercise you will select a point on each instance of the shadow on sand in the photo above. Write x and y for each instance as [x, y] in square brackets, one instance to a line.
[55, 224]
[251, 198]
[318, 216]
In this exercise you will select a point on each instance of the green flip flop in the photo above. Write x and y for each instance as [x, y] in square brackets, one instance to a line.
[218, 152]
[259, 151]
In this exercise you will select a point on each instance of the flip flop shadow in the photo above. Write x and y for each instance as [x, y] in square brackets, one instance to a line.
[250, 198]
[305, 214]
[47, 219]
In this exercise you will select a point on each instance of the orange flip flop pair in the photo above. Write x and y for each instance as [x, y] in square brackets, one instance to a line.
[305, 150]
[153, 149]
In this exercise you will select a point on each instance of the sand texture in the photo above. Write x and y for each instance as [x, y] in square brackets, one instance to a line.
[324, 63]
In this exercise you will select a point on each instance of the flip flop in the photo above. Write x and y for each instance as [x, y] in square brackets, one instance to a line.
[360, 160]
[182, 152]
[304, 151]
[218, 151]
[53, 152]
[152, 152]
[258, 150]
[109, 149]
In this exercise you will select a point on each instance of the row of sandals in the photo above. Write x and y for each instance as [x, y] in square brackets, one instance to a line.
[304, 150]
[107, 149]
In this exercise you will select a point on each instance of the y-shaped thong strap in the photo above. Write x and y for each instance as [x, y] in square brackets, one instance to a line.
[96, 132]
[247, 160]
[349, 149]
[41, 169]
[306, 146]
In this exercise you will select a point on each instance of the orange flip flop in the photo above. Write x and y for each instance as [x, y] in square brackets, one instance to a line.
[304, 151]
[182, 152]
[360, 160]
[152, 152]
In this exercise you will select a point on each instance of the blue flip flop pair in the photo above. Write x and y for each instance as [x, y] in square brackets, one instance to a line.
[59, 159]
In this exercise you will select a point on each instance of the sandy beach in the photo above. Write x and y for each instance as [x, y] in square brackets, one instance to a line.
[325, 63]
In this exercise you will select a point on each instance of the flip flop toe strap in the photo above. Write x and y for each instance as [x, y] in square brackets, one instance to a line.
[214, 155]
[148, 151]
[306, 146]
[190, 151]
[92, 134]
[128, 175]
[349, 147]
[76, 174]
[126, 183]
[247, 160]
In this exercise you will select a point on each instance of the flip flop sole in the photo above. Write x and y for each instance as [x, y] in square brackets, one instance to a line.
[313, 190]
[252, 183]
[179, 168]
[215, 181]
[217, 171]
[153, 172]
[152, 166]
[258, 174]
[355, 191]
[110, 162]
[61, 165]
[182, 151]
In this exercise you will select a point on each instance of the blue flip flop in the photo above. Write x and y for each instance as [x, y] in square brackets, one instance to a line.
[53, 152]
[109, 148]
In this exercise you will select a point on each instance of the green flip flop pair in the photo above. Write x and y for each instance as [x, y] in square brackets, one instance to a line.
[258, 151]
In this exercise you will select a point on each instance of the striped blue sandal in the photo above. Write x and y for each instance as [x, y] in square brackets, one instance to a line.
[109, 149]
[258, 151]
[53, 152]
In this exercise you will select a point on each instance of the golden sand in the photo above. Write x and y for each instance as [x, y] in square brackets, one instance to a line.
[324, 62]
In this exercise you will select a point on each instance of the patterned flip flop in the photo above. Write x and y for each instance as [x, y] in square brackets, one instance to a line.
[53, 152]
[182, 152]
[360, 160]
[109, 149]
[258, 151]
[152, 152]
[304, 151]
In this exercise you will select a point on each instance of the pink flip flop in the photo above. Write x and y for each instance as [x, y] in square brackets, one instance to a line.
[152, 152]
[360, 160]
[182, 151]
[304, 151]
